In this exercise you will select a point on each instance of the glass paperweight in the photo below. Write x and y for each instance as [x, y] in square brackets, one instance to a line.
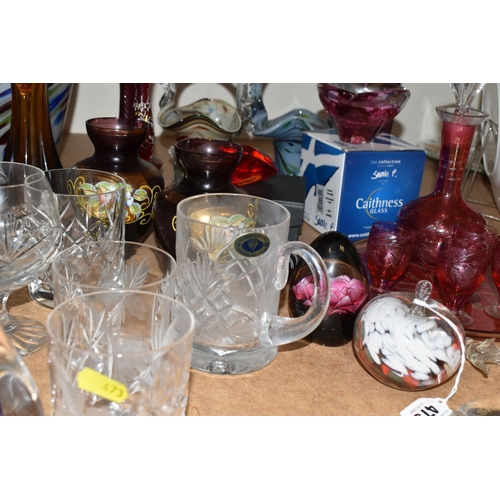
[408, 341]
[361, 110]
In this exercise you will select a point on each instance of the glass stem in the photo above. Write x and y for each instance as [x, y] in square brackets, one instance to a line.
[6, 320]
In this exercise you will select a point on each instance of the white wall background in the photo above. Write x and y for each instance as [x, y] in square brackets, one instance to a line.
[417, 122]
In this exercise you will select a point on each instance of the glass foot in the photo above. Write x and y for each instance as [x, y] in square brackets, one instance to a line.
[493, 311]
[479, 408]
[28, 336]
[464, 318]
[41, 293]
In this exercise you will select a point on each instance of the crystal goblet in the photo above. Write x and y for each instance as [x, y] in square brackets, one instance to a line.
[30, 234]
[494, 309]
[389, 250]
[462, 264]
[477, 232]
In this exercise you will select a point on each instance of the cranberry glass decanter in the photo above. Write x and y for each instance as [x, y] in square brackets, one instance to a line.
[436, 215]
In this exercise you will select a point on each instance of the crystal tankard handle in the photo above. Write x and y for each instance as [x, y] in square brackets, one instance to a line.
[279, 330]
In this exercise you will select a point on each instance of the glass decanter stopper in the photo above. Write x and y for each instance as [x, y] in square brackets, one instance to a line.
[31, 140]
[435, 215]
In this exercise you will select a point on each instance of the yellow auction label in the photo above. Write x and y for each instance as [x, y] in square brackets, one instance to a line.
[91, 381]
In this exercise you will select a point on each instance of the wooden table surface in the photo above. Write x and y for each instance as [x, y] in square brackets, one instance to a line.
[305, 378]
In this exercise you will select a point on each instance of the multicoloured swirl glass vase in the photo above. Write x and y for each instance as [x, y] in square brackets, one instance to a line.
[286, 130]
[117, 142]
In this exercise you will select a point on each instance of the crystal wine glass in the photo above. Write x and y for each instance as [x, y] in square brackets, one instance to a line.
[478, 232]
[494, 309]
[461, 269]
[388, 252]
[30, 233]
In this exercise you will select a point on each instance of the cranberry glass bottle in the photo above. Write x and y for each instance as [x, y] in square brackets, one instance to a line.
[31, 140]
[117, 142]
[208, 165]
[435, 216]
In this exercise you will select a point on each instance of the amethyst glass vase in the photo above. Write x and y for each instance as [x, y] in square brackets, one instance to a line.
[207, 165]
[117, 142]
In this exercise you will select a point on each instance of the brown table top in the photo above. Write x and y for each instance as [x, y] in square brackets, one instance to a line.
[305, 379]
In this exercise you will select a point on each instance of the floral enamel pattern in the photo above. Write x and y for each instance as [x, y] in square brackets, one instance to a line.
[346, 294]
[138, 202]
[99, 205]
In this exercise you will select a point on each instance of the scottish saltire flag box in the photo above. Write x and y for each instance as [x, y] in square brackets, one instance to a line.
[350, 186]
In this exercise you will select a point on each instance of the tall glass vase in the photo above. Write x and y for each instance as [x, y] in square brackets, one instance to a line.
[31, 140]
[435, 216]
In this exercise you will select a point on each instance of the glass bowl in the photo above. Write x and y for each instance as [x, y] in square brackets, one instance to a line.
[361, 110]
[205, 118]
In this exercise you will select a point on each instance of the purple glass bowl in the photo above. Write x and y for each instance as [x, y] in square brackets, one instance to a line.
[361, 110]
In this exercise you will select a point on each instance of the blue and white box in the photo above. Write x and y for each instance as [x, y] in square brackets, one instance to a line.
[350, 186]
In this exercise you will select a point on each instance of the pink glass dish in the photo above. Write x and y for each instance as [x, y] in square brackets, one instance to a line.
[361, 110]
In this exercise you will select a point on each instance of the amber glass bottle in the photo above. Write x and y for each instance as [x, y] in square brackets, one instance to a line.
[30, 139]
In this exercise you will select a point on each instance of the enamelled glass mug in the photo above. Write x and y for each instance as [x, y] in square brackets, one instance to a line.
[232, 261]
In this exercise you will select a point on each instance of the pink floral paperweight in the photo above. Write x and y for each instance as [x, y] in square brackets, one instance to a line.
[348, 289]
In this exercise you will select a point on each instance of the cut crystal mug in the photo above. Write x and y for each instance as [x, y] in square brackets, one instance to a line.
[232, 261]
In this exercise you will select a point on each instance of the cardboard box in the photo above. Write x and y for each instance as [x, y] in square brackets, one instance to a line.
[289, 191]
[349, 186]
